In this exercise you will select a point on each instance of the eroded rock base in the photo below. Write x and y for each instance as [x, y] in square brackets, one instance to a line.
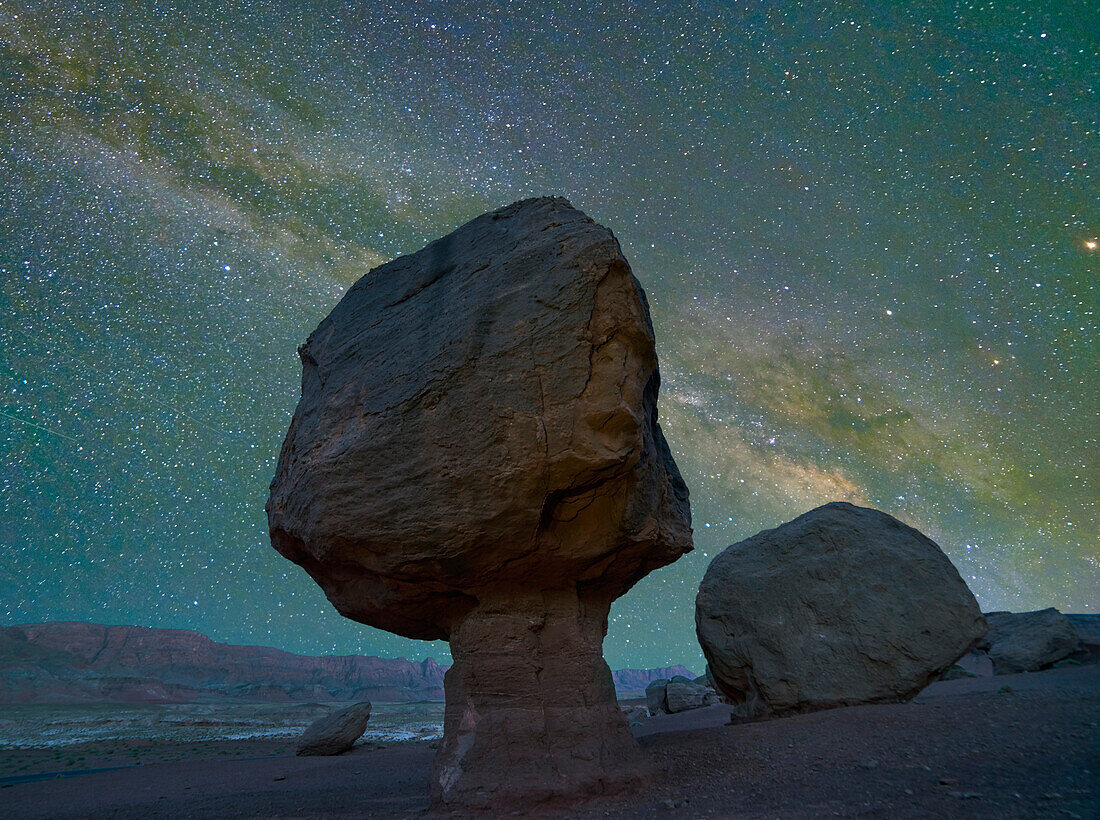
[531, 714]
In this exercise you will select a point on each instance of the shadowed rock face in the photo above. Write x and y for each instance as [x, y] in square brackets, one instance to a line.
[1028, 641]
[476, 457]
[841, 606]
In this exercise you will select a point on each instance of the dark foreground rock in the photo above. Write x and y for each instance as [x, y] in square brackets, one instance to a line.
[336, 733]
[843, 605]
[1028, 641]
[476, 457]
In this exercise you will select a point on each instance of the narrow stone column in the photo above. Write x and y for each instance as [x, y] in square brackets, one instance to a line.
[531, 711]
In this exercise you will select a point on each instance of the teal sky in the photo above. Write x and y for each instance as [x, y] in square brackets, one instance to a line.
[865, 235]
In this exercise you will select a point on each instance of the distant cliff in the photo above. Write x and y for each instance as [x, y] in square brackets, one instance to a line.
[68, 662]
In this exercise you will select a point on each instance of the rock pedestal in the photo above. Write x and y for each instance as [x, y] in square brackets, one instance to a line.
[529, 682]
[476, 457]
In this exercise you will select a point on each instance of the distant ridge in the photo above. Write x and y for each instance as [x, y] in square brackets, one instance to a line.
[74, 662]
[80, 662]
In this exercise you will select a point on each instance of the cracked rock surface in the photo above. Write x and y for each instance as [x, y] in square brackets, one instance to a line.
[1028, 641]
[476, 457]
[841, 606]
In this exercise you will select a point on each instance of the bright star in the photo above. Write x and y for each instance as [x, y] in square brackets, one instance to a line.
[1090, 244]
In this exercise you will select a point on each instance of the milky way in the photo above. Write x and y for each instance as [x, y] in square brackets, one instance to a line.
[865, 234]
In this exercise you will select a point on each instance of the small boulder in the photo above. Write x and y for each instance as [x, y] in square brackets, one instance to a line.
[336, 733]
[655, 697]
[635, 714]
[841, 606]
[1027, 641]
[681, 695]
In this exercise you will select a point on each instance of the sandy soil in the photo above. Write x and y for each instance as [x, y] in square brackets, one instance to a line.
[1014, 746]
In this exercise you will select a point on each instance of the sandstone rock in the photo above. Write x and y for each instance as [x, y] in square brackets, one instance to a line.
[635, 713]
[843, 605]
[336, 733]
[655, 698]
[1027, 641]
[476, 457]
[634, 681]
[682, 695]
[666, 697]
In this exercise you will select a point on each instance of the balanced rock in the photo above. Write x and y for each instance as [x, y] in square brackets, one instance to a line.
[1028, 641]
[336, 733]
[476, 457]
[841, 606]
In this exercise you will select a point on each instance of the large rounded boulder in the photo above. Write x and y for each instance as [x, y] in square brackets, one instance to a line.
[841, 606]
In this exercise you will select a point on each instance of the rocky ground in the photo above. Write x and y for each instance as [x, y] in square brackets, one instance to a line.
[1012, 746]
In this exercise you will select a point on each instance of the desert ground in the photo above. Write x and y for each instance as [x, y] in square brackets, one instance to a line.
[1011, 746]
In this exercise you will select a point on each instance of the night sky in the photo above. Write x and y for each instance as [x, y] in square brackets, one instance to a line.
[867, 232]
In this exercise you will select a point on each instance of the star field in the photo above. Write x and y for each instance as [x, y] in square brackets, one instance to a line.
[868, 235]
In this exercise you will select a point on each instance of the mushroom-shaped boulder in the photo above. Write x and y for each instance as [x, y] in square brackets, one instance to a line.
[476, 457]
